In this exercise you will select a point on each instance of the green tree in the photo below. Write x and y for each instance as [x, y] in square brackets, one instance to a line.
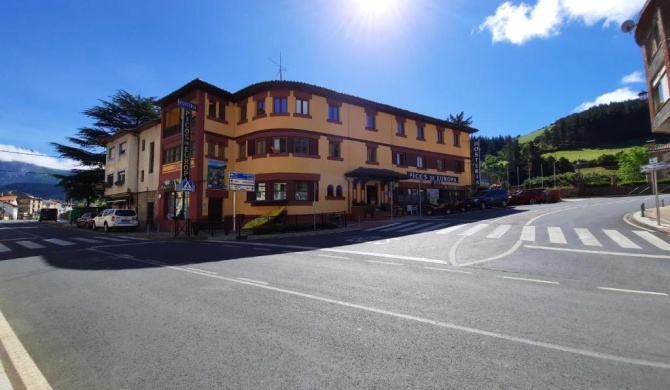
[460, 119]
[495, 167]
[630, 163]
[122, 111]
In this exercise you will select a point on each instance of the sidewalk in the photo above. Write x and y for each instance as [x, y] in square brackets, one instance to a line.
[649, 219]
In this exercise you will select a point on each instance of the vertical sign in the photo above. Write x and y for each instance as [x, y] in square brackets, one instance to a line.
[475, 161]
[187, 107]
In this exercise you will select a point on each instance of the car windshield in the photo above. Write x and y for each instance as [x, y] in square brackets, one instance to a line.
[125, 213]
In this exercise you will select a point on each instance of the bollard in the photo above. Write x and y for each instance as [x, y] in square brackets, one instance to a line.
[642, 210]
[662, 202]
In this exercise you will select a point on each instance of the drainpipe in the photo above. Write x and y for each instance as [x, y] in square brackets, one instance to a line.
[348, 195]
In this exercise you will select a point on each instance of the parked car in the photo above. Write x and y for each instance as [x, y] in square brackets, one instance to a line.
[48, 215]
[115, 219]
[86, 220]
[445, 206]
[532, 196]
[487, 198]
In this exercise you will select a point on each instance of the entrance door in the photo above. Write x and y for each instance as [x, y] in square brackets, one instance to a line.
[371, 195]
[150, 214]
[215, 209]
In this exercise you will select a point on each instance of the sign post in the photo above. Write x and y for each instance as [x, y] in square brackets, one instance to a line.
[652, 168]
[240, 182]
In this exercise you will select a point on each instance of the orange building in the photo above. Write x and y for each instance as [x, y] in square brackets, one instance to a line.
[652, 33]
[311, 149]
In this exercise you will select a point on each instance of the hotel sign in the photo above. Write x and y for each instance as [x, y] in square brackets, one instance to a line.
[187, 107]
[432, 178]
[476, 160]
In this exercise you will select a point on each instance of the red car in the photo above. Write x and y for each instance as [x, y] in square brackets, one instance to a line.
[532, 196]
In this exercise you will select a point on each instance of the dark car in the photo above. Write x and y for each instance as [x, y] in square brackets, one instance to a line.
[48, 215]
[487, 198]
[86, 220]
[532, 196]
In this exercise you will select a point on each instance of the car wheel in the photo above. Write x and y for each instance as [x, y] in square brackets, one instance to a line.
[533, 200]
[482, 206]
[503, 203]
[106, 227]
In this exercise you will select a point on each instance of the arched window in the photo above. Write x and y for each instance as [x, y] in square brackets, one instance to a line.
[338, 191]
[329, 192]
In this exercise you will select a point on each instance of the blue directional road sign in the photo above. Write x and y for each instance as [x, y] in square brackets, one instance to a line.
[187, 186]
[187, 105]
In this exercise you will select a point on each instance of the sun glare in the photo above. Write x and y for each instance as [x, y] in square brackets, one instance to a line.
[377, 8]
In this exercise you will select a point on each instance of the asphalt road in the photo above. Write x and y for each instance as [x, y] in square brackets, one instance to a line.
[565, 296]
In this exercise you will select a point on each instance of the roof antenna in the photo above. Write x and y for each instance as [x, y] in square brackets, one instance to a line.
[282, 70]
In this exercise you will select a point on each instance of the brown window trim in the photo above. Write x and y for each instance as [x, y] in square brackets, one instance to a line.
[371, 129]
[280, 114]
[305, 155]
[335, 122]
[242, 122]
[215, 119]
[241, 159]
[302, 95]
[420, 139]
[260, 155]
[401, 135]
[370, 111]
[372, 162]
[335, 198]
[309, 116]
[402, 166]
[284, 154]
[335, 103]
[400, 119]
[334, 138]
[441, 143]
[331, 158]
[282, 93]
[259, 116]
[422, 169]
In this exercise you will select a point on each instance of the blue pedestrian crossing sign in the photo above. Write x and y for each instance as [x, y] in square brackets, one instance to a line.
[187, 186]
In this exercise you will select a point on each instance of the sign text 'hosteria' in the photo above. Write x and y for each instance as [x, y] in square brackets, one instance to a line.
[432, 178]
[475, 161]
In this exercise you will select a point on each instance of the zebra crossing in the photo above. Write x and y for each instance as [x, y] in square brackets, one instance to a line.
[42, 243]
[533, 234]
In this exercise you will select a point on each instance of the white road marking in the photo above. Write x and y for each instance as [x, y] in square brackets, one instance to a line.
[335, 257]
[633, 291]
[434, 227]
[496, 257]
[586, 237]
[556, 235]
[620, 239]
[528, 280]
[479, 332]
[30, 374]
[637, 255]
[390, 229]
[384, 255]
[474, 229]
[60, 242]
[528, 233]
[381, 227]
[415, 227]
[202, 270]
[112, 239]
[499, 232]
[652, 239]
[4, 248]
[450, 270]
[383, 262]
[449, 229]
[30, 244]
[253, 281]
[82, 239]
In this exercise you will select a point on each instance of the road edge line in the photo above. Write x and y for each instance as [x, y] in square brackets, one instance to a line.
[30, 374]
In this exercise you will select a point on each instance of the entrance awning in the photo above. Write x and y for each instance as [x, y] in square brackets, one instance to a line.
[363, 173]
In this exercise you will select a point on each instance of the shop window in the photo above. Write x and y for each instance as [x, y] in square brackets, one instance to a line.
[279, 191]
[301, 191]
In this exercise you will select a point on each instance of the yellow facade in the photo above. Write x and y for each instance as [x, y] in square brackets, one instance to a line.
[296, 133]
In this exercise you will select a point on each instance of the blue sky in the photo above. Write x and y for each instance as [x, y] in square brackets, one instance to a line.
[513, 66]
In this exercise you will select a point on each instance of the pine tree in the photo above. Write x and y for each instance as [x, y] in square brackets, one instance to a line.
[123, 111]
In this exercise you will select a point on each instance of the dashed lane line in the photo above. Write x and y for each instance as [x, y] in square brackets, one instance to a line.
[632, 291]
[528, 280]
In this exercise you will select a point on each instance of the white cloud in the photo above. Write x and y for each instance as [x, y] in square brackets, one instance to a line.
[520, 23]
[10, 153]
[619, 95]
[633, 78]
